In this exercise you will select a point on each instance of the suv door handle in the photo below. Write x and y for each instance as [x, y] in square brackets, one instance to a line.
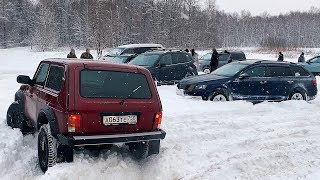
[290, 82]
[263, 82]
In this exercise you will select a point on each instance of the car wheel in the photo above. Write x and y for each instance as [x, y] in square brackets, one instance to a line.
[139, 150]
[47, 148]
[189, 74]
[13, 115]
[206, 70]
[297, 96]
[218, 96]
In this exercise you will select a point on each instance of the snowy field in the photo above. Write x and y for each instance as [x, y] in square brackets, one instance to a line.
[205, 140]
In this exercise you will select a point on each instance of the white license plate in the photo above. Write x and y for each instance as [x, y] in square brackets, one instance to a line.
[116, 120]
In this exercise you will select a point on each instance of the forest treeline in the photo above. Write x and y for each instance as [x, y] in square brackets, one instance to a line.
[48, 24]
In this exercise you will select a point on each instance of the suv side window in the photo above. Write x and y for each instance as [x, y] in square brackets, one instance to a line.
[55, 78]
[258, 71]
[279, 71]
[299, 71]
[40, 78]
[166, 59]
[180, 58]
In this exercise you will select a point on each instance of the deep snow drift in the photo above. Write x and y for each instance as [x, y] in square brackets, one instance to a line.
[205, 140]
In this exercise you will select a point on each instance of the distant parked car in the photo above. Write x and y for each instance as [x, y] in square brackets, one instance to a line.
[132, 49]
[312, 65]
[253, 81]
[124, 58]
[204, 61]
[167, 66]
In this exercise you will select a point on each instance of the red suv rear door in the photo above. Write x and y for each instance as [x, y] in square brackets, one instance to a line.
[114, 100]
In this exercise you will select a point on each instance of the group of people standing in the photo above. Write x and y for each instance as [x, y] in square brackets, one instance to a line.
[301, 58]
[85, 55]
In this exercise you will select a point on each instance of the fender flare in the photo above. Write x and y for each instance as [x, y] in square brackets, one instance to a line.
[48, 113]
[19, 97]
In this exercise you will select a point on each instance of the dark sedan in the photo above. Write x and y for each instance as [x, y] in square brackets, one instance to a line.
[253, 81]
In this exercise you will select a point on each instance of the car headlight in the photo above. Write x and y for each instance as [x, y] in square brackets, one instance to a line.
[201, 86]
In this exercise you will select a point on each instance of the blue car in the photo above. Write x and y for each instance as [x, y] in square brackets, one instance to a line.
[254, 80]
[312, 65]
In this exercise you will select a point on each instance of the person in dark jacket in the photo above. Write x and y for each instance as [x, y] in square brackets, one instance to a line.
[301, 58]
[280, 58]
[86, 55]
[72, 54]
[214, 62]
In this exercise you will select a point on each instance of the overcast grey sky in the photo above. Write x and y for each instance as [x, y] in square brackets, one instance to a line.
[273, 7]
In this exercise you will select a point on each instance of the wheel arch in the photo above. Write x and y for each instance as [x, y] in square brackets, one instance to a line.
[46, 116]
[209, 91]
[19, 97]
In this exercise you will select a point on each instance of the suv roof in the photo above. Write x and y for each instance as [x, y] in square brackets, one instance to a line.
[92, 63]
[139, 45]
[156, 51]
[255, 61]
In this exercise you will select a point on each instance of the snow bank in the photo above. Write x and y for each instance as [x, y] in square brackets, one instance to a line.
[205, 140]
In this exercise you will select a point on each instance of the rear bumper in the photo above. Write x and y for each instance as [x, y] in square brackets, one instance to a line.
[111, 139]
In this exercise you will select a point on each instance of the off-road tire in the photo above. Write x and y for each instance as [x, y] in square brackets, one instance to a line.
[47, 148]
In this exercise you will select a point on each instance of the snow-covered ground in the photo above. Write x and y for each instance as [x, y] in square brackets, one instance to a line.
[205, 140]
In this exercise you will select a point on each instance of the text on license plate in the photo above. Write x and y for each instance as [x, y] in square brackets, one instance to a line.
[115, 120]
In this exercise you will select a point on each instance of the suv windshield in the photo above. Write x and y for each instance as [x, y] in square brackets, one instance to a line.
[113, 84]
[229, 70]
[145, 60]
[115, 52]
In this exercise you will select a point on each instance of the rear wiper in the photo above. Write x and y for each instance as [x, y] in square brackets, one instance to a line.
[132, 93]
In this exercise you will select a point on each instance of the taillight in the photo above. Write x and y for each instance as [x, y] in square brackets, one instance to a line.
[74, 123]
[315, 82]
[157, 120]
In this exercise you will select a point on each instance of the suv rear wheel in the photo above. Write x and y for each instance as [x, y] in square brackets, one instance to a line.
[47, 148]
[296, 95]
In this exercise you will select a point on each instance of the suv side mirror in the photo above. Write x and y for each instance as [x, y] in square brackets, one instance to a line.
[22, 79]
[244, 76]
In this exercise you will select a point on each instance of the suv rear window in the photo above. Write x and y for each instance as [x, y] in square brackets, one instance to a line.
[113, 84]
[279, 71]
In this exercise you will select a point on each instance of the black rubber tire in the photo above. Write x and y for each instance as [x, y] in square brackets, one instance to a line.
[189, 74]
[295, 92]
[47, 148]
[13, 115]
[217, 93]
[139, 150]
[17, 119]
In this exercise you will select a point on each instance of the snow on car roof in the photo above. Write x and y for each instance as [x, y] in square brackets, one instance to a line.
[140, 45]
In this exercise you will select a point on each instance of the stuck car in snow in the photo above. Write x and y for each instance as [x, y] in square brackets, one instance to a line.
[254, 80]
[76, 103]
